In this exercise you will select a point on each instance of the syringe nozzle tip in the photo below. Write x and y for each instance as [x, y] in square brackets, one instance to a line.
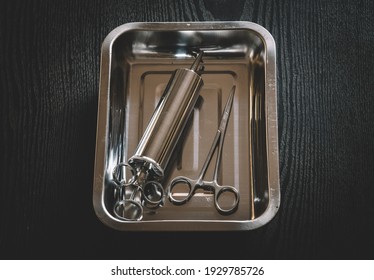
[197, 61]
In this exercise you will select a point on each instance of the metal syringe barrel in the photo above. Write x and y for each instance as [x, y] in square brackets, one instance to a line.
[168, 121]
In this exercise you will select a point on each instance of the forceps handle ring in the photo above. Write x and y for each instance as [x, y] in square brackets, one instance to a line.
[210, 186]
[182, 180]
[116, 175]
[219, 191]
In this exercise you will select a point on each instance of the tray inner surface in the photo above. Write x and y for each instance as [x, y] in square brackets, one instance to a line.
[141, 66]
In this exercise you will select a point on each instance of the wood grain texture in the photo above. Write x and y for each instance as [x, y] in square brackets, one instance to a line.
[49, 77]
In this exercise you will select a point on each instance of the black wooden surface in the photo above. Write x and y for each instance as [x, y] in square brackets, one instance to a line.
[49, 75]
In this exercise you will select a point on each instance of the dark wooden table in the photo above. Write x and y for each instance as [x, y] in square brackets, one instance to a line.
[49, 76]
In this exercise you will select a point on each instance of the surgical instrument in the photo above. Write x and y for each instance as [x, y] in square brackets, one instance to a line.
[200, 183]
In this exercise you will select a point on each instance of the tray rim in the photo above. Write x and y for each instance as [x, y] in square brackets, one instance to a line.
[271, 132]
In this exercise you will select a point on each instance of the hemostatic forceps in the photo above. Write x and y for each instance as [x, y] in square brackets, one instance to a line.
[200, 183]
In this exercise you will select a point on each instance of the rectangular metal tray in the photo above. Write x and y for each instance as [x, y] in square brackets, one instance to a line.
[137, 60]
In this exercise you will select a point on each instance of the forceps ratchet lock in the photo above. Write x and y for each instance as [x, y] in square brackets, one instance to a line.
[200, 183]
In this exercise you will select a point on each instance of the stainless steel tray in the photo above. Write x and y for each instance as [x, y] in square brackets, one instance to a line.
[137, 60]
